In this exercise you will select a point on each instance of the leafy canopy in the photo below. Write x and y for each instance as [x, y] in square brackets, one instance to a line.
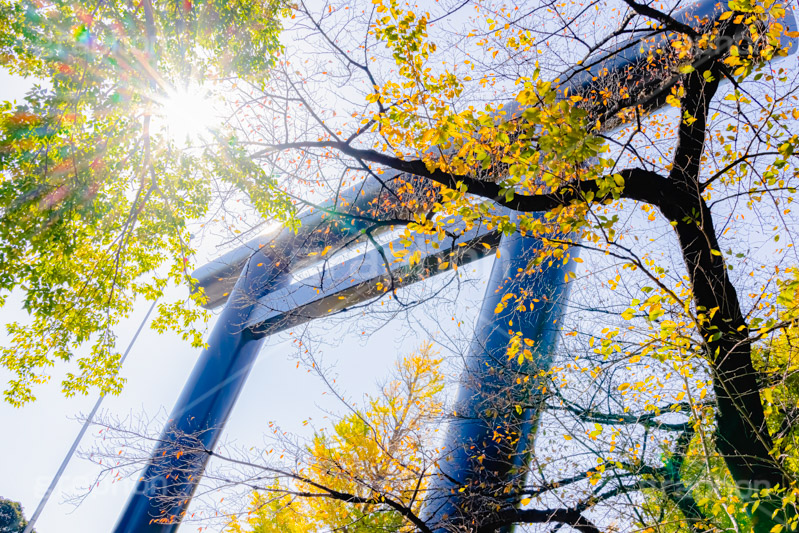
[373, 455]
[96, 199]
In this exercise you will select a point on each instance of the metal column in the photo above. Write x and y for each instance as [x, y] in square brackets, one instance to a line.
[487, 441]
[168, 482]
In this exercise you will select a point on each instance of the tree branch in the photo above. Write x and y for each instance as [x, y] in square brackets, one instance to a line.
[572, 517]
[668, 21]
[640, 184]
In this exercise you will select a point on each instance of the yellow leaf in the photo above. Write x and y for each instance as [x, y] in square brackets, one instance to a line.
[768, 396]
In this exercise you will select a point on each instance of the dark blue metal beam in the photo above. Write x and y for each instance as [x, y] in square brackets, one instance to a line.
[168, 482]
[265, 301]
[487, 441]
[334, 223]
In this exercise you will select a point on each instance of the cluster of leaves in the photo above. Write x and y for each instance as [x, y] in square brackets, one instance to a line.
[11, 518]
[374, 458]
[96, 200]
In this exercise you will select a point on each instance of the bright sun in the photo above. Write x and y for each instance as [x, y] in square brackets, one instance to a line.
[187, 115]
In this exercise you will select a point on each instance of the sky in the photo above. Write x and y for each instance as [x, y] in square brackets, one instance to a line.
[38, 435]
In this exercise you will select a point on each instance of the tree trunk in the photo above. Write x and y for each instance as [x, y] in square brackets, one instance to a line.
[742, 437]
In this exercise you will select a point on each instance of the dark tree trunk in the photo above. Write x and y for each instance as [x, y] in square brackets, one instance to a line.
[742, 437]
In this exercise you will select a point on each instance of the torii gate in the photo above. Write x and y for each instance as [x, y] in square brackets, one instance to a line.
[261, 297]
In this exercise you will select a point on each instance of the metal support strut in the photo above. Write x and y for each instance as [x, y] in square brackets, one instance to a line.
[487, 441]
